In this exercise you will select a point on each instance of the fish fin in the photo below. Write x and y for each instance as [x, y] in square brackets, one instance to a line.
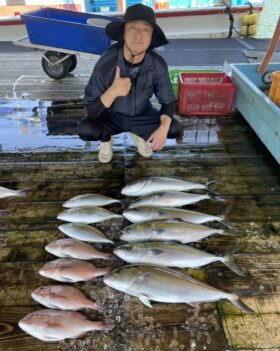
[68, 264]
[193, 304]
[224, 218]
[239, 304]
[230, 232]
[216, 197]
[228, 224]
[23, 192]
[108, 324]
[95, 306]
[245, 292]
[60, 297]
[144, 276]
[228, 261]
[211, 187]
[51, 339]
[52, 305]
[145, 301]
[53, 325]
[4, 213]
[68, 280]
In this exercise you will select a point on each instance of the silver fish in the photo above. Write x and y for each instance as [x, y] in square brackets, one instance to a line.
[63, 297]
[75, 249]
[70, 270]
[151, 185]
[170, 255]
[55, 325]
[87, 215]
[149, 213]
[5, 192]
[166, 285]
[169, 199]
[84, 232]
[169, 230]
[89, 200]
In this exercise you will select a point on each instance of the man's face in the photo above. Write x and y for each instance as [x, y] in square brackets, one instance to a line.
[138, 36]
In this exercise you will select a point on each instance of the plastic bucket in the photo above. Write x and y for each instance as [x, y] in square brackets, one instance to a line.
[274, 92]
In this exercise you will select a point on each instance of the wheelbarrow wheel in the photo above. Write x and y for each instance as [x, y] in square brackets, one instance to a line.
[56, 71]
[72, 62]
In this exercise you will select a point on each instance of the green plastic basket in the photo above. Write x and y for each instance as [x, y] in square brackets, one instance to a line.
[174, 76]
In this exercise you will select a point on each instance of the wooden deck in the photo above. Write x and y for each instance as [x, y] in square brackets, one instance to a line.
[222, 149]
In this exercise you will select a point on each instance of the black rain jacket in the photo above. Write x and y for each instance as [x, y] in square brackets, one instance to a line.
[153, 78]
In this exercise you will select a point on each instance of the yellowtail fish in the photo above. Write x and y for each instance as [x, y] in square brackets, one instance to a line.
[152, 185]
[149, 213]
[169, 230]
[89, 200]
[169, 199]
[150, 283]
[166, 254]
[84, 232]
[87, 215]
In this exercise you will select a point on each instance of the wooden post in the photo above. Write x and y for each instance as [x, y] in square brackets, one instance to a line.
[271, 48]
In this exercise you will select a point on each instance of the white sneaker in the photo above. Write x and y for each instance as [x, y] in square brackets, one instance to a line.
[105, 151]
[142, 146]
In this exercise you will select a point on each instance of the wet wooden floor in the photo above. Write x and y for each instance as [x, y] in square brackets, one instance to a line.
[225, 150]
[222, 149]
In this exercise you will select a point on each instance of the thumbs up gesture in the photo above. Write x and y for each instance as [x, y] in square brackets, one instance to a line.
[120, 86]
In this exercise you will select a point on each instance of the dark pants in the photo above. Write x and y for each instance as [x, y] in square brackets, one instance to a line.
[108, 123]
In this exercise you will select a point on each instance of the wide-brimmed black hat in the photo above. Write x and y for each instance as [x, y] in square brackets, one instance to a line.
[138, 12]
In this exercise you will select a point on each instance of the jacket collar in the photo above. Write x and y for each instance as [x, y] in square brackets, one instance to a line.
[147, 65]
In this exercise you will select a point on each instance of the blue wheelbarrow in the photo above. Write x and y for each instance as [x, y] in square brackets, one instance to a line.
[61, 35]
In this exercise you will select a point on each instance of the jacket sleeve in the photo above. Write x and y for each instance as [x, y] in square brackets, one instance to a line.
[163, 87]
[167, 109]
[93, 91]
[95, 108]
[95, 87]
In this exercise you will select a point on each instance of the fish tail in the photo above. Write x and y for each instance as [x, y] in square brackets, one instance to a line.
[4, 213]
[23, 192]
[95, 306]
[109, 256]
[227, 224]
[228, 261]
[108, 324]
[107, 270]
[211, 187]
[216, 197]
[224, 218]
[230, 232]
[239, 304]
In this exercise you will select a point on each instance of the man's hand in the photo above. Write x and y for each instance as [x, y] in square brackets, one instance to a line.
[159, 136]
[120, 87]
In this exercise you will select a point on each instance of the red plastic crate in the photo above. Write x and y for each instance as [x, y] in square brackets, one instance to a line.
[205, 94]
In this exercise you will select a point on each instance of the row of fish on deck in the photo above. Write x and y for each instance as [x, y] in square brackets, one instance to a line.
[158, 226]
